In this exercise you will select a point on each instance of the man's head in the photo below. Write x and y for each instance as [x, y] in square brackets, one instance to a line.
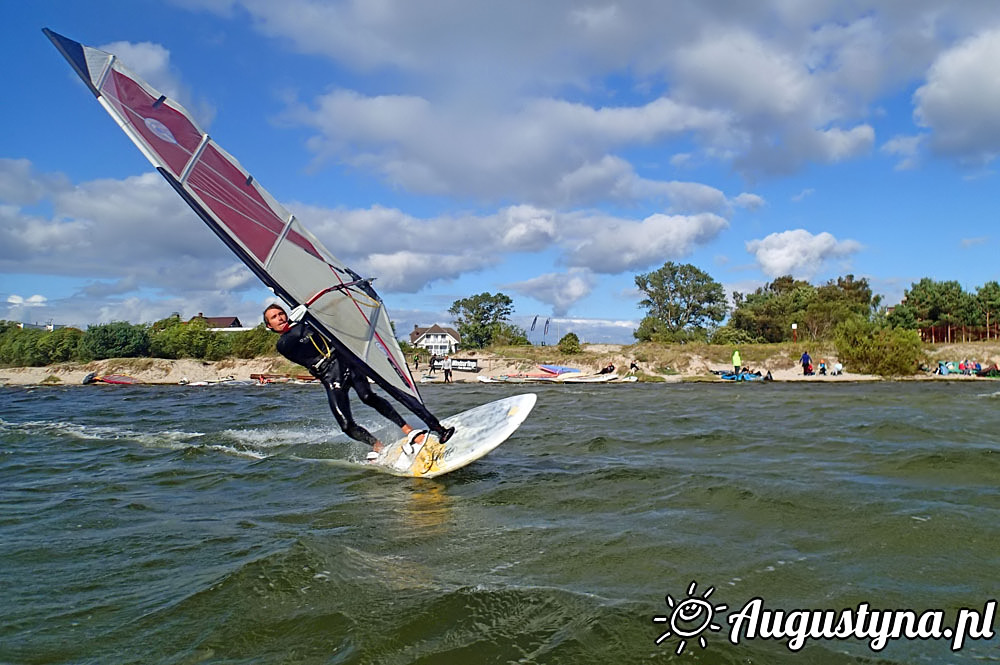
[275, 318]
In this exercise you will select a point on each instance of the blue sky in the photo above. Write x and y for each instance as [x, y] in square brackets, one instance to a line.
[551, 151]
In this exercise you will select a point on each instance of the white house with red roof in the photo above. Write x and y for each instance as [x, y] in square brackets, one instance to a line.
[438, 340]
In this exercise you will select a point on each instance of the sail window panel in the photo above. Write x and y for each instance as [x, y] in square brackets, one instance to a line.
[304, 275]
[97, 61]
[347, 314]
[169, 134]
[222, 186]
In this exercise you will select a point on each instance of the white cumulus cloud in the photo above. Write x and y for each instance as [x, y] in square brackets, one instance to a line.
[615, 245]
[959, 101]
[798, 252]
[30, 301]
[561, 290]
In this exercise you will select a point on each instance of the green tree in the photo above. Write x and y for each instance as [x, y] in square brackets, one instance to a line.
[988, 302]
[19, 347]
[769, 312]
[481, 318]
[60, 345]
[570, 344]
[652, 329]
[168, 338]
[507, 334]
[934, 303]
[177, 339]
[903, 316]
[163, 324]
[682, 297]
[118, 339]
[835, 302]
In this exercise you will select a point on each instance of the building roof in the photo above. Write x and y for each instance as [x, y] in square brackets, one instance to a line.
[435, 329]
[219, 321]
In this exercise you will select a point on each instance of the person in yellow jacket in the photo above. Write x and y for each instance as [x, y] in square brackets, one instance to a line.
[737, 362]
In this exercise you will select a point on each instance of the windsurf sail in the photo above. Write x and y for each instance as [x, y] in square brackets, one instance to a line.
[276, 247]
[558, 369]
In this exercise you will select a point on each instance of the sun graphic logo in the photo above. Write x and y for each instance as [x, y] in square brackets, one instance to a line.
[690, 617]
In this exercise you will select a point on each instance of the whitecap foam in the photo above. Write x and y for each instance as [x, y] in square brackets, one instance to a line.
[163, 439]
[274, 437]
[229, 450]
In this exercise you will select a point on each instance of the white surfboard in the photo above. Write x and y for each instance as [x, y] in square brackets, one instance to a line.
[477, 432]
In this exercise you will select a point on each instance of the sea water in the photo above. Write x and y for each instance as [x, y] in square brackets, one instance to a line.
[620, 524]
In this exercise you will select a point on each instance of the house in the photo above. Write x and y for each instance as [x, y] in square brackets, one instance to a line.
[221, 323]
[39, 326]
[436, 339]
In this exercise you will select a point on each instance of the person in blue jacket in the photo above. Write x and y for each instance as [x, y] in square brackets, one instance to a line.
[806, 363]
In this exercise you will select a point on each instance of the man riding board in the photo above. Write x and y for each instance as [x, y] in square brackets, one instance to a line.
[303, 345]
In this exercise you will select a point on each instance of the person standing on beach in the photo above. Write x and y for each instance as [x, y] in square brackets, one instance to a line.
[303, 345]
[446, 366]
[737, 361]
[806, 362]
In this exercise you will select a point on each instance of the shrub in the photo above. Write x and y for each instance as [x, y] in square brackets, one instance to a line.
[570, 344]
[176, 339]
[61, 345]
[19, 347]
[868, 348]
[252, 343]
[728, 336]
[119, 339]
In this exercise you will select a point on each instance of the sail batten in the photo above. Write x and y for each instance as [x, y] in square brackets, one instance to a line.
[194, 158]
[271, 241]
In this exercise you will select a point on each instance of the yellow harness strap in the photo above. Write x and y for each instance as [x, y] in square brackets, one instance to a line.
[325, 354]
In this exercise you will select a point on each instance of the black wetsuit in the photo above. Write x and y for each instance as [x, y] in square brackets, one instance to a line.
[301, 344]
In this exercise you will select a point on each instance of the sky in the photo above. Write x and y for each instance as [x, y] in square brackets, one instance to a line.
[549, 150]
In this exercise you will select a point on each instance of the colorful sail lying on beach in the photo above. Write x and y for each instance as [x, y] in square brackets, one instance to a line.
[263, 234]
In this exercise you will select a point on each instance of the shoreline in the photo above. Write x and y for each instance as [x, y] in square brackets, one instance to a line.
[160, 371]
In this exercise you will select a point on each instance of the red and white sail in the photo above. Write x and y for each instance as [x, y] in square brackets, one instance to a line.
[265, 236]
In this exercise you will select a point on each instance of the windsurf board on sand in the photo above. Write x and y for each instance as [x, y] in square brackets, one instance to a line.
[477, 432]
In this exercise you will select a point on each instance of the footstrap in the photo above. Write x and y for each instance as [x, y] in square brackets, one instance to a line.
[408, 445]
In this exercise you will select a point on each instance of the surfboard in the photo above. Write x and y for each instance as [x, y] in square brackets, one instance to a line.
[477, 432]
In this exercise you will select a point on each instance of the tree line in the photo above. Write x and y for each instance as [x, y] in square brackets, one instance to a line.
[166, 338]
[682, 303]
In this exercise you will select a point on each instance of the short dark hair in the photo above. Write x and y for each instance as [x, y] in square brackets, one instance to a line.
[267, 309]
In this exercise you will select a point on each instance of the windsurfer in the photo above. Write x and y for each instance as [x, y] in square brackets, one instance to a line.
[304, 346]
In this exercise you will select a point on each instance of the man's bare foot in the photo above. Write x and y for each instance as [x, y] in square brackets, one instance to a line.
[378, 447]
[418, 439]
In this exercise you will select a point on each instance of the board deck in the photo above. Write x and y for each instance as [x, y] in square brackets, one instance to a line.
[477, 432]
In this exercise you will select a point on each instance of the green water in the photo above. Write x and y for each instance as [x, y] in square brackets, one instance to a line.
[226, 524]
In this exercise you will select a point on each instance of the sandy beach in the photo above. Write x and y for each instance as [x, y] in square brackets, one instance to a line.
[162, 371]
